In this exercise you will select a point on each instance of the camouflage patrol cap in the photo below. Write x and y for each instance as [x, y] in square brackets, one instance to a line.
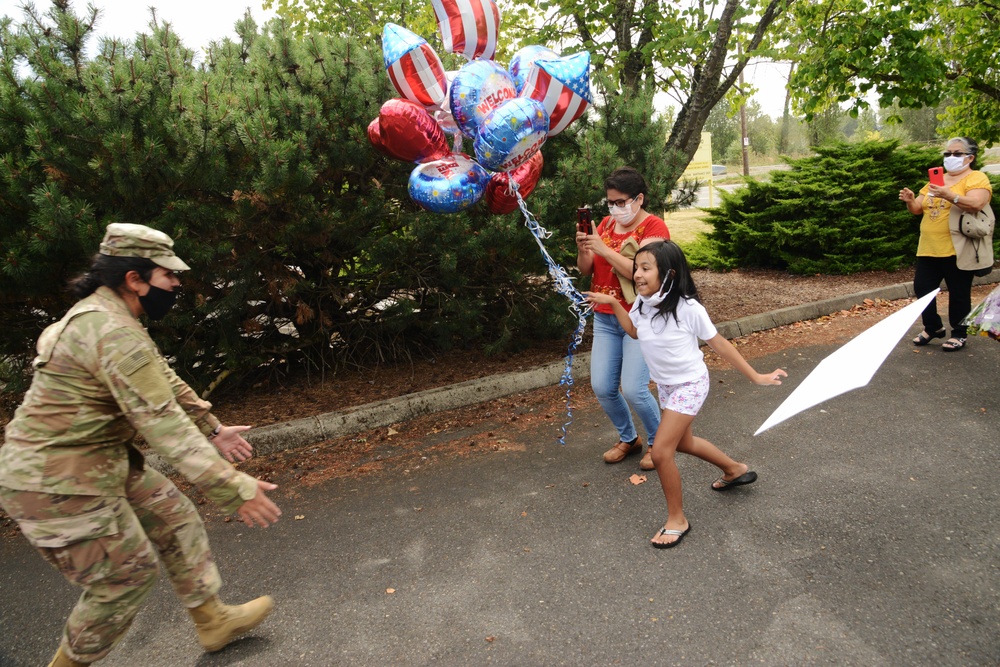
[123, 239]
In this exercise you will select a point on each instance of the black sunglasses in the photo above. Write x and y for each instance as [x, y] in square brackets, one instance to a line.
[955, 153]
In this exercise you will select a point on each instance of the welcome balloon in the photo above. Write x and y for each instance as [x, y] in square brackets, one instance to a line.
[449, 185]
[413, 67]
[511, 134]
[479, 88]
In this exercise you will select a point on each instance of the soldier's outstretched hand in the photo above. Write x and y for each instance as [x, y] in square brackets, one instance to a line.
[232, 445]
[260, 510]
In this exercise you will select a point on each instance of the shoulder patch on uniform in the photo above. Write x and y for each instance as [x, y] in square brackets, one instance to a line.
[134, 362]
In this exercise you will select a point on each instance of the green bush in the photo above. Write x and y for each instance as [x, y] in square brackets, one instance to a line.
[837, 212]
[306, 250]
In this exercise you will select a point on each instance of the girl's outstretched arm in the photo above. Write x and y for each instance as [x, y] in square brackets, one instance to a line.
[725, 349]
[620, 313]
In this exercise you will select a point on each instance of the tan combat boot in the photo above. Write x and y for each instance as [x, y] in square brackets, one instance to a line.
[63, 660]
[218, 624]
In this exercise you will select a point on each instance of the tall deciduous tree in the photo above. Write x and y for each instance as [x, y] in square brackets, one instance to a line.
[910, 53]
[693, 51]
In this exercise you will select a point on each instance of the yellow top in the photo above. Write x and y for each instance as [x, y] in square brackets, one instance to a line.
[935, 237]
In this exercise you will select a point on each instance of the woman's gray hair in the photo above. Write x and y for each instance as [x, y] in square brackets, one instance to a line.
[968, 145]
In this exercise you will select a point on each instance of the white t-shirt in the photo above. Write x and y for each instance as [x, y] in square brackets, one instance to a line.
[669, 346]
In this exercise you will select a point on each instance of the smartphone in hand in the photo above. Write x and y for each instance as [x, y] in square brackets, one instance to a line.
[936, 175]
[584, 222]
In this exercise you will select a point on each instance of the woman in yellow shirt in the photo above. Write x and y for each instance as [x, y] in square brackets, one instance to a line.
[970, 190]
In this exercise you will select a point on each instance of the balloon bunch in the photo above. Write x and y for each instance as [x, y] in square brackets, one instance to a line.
[508, 115]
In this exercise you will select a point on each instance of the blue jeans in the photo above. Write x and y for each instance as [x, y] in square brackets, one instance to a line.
[615, 360]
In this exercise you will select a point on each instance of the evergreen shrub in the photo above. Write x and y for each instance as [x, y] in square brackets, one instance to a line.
[837, 212]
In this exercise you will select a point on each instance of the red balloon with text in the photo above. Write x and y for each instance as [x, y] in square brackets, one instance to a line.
[499, 197]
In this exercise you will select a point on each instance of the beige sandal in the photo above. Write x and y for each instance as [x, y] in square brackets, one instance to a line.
[622, 449]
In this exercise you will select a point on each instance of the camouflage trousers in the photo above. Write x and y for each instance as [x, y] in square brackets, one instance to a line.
[108, 546]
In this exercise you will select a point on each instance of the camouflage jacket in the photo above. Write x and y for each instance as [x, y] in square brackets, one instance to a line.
[99, 379]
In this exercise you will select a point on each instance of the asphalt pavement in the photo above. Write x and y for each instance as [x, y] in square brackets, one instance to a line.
[871, 538]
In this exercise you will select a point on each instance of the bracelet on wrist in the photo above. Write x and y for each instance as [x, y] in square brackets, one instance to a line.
[216, 431]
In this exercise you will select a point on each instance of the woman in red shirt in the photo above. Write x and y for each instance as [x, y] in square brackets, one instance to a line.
[618, 373]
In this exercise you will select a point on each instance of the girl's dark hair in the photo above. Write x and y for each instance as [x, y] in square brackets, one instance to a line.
[669, 257]
[108, 271]
[627, 180]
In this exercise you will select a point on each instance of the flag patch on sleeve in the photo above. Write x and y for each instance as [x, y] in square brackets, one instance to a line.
[134, 362]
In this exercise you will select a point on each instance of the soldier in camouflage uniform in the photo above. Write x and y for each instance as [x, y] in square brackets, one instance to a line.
[78, 488]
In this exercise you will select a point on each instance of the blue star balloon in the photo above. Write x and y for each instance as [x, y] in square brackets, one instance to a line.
[511, 134]
[449, 185]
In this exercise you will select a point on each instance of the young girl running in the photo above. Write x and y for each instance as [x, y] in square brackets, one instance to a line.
[668, 319]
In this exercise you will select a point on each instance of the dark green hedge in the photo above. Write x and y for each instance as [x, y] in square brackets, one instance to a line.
[837, 212]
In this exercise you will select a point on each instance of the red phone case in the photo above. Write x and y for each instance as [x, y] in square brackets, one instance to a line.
[584, 221]
[936, 175]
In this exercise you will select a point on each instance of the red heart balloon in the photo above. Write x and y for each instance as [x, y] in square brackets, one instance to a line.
[375, 137]
[409, 132]
[498, 196]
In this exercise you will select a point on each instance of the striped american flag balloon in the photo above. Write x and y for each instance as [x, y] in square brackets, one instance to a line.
[468, 27]
[413, 67]
[562, 86]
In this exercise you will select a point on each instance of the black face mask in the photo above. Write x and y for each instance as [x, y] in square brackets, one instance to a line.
[157, 302]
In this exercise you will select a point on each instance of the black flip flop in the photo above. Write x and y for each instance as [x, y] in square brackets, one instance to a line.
[670, 545]
[749, 477]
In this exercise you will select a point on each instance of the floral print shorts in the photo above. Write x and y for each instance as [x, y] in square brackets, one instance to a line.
[686, 397]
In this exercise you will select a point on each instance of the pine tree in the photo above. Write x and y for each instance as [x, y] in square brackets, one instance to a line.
[306, 251]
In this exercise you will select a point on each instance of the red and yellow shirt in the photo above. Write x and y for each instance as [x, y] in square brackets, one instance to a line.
[605, 279]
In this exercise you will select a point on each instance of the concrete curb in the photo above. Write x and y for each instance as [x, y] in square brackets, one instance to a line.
[311, 430]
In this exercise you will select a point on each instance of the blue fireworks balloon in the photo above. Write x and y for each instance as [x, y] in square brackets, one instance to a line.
[448, 185]
[511, 134]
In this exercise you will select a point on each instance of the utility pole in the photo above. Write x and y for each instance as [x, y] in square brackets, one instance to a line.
[743, 116]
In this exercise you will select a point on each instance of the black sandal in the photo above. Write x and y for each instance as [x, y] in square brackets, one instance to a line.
[923, 337]
[953, 344]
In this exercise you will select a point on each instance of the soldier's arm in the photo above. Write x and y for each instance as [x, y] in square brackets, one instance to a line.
[127, 364]
[230, 441]
[197, 408]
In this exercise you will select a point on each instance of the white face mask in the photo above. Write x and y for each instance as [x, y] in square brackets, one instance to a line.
[657, 297]
[623, 215]
[954, 163]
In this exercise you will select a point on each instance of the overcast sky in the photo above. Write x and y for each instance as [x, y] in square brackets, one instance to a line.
[199, 22]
